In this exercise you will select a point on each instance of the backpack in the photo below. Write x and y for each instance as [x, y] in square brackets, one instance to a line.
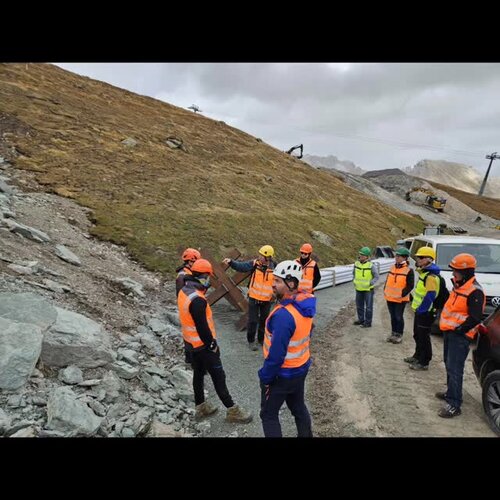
[443, 294]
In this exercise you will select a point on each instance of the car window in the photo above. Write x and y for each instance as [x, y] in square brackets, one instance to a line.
[417, 244]
[487, 255]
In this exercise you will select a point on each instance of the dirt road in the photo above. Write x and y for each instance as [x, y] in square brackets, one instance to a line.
[241, 364]
[360, 386]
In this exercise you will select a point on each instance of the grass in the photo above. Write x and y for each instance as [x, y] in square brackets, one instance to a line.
[228, 189]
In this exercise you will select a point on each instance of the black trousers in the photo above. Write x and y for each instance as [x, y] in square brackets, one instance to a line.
[207, 361]
[291, 391]
[258, 311]
[421, 334]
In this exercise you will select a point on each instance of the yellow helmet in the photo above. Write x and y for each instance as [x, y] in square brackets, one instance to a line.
[267, 251]
[426, 252]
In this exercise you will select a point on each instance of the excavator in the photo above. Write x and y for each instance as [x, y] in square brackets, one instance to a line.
[300, 147]
[431, 201]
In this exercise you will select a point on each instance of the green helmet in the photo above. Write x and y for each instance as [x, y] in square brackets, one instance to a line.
[403, 251]
[365, 251]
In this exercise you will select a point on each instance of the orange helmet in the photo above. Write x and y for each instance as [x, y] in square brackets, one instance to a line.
[202, 266]
[463, 261]
[306, 248]
[191, 254]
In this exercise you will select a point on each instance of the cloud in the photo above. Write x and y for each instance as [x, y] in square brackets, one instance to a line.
[379, 115]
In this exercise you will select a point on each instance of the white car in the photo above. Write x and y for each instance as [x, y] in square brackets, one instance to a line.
[485, 250]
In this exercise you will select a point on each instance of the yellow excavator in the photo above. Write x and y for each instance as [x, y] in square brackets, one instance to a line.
[431, 201]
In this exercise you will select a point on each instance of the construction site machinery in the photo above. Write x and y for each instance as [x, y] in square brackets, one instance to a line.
[300, 147]
[427, 198]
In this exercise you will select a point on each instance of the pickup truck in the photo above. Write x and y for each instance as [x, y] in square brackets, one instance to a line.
[485, 250]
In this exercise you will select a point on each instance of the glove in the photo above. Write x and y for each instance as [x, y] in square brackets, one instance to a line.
[213, 346]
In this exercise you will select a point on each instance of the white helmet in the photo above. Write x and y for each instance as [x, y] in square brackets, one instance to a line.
[288, 269]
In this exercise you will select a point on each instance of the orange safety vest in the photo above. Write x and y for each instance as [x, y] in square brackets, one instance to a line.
[261, 285]
[298, 347]
[455, 311]
[306, 283]
[188, 328]
[396, 281]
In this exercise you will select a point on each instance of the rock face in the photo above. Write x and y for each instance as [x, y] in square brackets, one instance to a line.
[457, 175]
[76, 339]
[27, 308]
[20, 347]
[68, 415]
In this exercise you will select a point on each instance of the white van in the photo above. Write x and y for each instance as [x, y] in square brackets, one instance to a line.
[485, 250]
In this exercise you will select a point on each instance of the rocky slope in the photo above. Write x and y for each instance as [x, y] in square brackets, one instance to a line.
[89, 340]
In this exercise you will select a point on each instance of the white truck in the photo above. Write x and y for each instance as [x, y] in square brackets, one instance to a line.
[485, 250]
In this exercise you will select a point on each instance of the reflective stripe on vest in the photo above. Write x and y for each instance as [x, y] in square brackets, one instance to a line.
[306, 283]
[420, 291]
[188, 328]
[261, 285]
[362, 276]
[455, 311]
[396, 282]
[298, 347]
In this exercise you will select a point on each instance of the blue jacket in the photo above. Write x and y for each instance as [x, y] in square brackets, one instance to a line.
[282, 326]
[429, 296]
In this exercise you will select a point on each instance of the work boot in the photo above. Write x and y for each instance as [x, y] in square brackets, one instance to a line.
[204, 410]
[449, 412]
[397, 339]
[237, 415]
[410, 359]
[253, 346]
[441, 395]
[357, 322]
[417, 366]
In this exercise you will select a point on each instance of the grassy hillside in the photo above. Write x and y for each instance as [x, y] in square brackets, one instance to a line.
[483, 204]
[227, 189]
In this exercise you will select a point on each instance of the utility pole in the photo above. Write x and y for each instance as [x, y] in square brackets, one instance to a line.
[491, 157]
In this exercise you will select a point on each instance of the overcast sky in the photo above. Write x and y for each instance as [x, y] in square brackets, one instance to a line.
[378, 115]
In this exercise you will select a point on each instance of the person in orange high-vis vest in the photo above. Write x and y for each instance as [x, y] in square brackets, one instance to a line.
[198, 332]
[397, 288]
[462, 312]
[286, 352]
[310, 270]
[260, 291]
[189, 256]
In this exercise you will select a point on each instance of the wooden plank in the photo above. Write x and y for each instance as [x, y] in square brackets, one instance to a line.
[220, 291]
[226, 282]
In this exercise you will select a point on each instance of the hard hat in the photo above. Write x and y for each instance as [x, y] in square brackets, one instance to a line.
[403, 252]
[365, 251]
[426, 252]
[288, 269]
[267, 251]
[202, 266]
[463, 261]
[191, 254]
[306, 248]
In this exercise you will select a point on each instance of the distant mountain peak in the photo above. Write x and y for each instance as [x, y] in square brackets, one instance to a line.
[456, 175]
[332, 161]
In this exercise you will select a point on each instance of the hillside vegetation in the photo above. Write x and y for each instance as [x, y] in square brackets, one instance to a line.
[227, 188]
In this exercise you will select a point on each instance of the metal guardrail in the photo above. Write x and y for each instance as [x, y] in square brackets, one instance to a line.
[336, 275]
